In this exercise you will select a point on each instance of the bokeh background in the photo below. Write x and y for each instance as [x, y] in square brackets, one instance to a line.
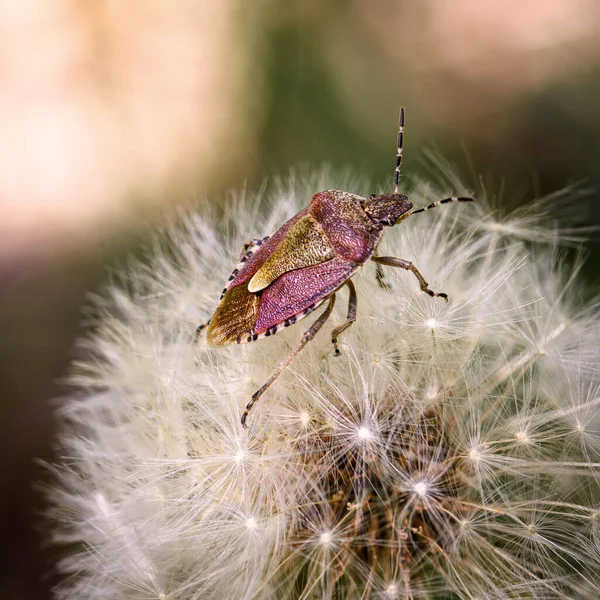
[114, 114]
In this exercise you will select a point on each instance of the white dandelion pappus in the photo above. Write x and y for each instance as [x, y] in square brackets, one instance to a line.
[452, 451]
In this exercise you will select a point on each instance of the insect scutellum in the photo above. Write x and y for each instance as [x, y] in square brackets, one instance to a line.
[282, 278]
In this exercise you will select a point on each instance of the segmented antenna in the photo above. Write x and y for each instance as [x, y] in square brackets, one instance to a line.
[399, 153]
[434, 204]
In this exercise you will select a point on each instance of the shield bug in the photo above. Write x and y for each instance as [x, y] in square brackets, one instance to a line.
[282, 278]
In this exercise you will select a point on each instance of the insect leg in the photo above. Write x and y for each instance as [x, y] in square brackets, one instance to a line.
[310, 333]
[200, 329]
[245, 253]
[352, 301]
[381, 278]
[379, 275]
[391, 261]
[252, 244]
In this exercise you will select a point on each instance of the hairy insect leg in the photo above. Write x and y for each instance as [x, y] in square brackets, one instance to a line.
[245, 253]
[379, 275]
[309, 334]
[350, 318]
[251, 244]
[200, 329]
[391, 261]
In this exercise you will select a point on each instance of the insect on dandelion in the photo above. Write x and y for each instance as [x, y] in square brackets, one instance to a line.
[451, 451]
[283, 277]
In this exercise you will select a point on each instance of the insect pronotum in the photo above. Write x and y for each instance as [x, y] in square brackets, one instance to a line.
[283, 277]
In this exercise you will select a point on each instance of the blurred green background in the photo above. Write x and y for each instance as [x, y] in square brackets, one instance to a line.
[113, 114]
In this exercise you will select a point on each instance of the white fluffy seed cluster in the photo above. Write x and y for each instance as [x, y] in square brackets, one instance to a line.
[452, 451]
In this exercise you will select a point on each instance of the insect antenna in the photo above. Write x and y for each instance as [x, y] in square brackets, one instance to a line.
[434, 204]
[399, 152]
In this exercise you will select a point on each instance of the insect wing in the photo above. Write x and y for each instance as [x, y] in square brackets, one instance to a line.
[304, 245]
[254, 260]
[237, 311]
[294, 294]
[234, 318]
[299, 243]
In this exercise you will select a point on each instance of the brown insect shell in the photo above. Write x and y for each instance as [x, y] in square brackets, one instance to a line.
[302, 271]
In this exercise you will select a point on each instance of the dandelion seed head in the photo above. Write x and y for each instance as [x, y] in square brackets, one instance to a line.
[441, 455]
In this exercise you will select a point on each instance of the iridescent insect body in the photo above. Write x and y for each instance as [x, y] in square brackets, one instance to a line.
[282, 278]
